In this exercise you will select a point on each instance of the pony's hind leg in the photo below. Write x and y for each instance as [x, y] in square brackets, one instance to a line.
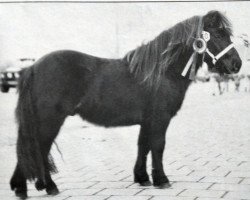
[49, 184]
[50, 124]
[18, 183]
[140, 171]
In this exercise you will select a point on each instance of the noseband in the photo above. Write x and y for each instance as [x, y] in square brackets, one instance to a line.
[222, 53]
[201, 49]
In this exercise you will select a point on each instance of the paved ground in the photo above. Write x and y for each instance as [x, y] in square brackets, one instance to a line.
[207, 153]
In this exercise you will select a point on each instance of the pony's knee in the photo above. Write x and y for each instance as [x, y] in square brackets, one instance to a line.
[158, 146]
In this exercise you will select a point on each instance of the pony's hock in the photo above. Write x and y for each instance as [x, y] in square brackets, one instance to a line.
[146, 87]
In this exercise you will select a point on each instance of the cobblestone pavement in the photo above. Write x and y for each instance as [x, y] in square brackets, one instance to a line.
[207, 153]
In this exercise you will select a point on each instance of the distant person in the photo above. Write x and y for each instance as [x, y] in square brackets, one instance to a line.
[245, 83]
[237, 83]
[222, 83]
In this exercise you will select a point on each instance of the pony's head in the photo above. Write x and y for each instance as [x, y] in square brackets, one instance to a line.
[205, 37]
[220, 54]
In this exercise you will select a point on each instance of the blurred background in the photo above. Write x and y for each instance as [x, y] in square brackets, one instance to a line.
[31, 30]
[102, 29]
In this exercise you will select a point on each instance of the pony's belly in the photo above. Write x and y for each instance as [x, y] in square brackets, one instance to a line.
[111, 117]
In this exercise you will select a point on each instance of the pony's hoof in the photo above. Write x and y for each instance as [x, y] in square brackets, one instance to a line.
[21, 194]
[163, 185]
[39, 185]
[145, 183]
[53, 191]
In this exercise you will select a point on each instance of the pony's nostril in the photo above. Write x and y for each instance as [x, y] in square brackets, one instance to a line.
[235, 68]
[236, 65]
[239, 64]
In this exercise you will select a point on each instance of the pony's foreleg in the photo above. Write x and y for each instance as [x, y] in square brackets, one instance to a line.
[157, 145]
[140, 171]
[18, 183]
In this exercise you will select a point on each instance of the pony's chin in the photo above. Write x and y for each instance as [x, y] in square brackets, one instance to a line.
[215, 70]
[226, 71]
[221, 70]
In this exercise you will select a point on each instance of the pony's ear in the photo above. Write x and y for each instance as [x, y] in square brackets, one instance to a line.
[212, 20]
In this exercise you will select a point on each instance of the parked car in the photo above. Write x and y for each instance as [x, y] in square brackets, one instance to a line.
[9, 76]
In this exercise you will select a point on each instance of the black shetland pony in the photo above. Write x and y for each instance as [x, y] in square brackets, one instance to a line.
[145, 87]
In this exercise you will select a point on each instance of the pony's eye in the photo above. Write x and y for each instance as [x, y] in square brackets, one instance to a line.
[218, 34]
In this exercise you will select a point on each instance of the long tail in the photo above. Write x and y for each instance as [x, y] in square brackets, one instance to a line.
[29, 152]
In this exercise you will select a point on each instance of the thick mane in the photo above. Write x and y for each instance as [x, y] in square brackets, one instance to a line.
[225, 23]
[219, 21]
[150, 61]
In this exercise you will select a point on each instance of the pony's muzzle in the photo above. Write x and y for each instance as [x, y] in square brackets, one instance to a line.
[236, 65]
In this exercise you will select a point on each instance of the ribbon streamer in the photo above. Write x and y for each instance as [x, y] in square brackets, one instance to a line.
[188, 65]
[192, 71]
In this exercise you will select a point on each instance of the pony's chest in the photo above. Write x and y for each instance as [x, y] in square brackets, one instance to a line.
[170, 98]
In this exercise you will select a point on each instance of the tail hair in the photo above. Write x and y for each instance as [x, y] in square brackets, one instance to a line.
[29, 152]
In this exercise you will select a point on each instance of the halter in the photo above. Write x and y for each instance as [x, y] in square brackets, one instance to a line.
[205, 37]
[222, 53]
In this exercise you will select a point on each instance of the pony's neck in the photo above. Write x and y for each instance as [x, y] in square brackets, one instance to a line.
[177, 68]
[167, 53]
